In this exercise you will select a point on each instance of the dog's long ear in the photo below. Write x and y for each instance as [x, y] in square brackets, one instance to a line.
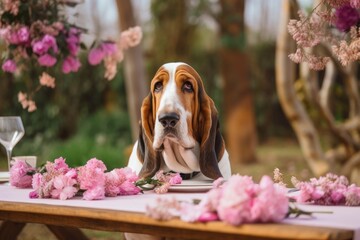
[150, 158]
[212, 144]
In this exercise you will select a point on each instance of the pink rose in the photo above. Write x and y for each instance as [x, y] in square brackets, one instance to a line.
[9, 66]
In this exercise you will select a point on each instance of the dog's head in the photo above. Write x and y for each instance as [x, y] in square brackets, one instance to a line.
[178, 109]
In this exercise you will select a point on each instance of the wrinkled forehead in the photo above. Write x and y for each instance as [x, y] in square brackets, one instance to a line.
[171, 69]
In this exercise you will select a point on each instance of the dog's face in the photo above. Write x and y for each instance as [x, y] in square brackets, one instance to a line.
[179, 110]
[174, 89]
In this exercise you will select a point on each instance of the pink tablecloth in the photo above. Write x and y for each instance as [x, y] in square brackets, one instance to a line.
[341, 217]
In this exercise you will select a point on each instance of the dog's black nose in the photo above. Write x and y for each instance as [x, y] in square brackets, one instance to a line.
[169, 119]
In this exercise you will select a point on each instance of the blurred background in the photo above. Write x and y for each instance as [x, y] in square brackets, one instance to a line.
[230, 43]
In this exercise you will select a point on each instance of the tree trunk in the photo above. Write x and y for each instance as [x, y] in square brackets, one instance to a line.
[240, 127]
[135, 79]
[294, 110]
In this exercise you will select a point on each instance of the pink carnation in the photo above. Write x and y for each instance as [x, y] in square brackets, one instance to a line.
[64, 187]
[129, 188]
[92, 178]
[9, 66]
[20, 174]
[95, 193]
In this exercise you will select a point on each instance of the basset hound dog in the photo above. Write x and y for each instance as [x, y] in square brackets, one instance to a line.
[179, 128]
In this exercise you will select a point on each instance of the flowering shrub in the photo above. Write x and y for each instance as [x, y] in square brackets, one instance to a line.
[57, 180]
[37, 34]
[328, 190]
[237, 201]
[330, 22]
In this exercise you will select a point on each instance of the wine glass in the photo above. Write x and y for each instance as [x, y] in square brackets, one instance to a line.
[11, 131]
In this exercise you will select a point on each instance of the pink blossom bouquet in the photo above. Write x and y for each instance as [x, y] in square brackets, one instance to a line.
[91, 181]
[327, 190]
[236, 201]
[47, 40]
[331, 22]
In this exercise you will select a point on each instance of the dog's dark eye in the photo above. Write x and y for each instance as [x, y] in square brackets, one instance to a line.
[187, 87]
[158, 86]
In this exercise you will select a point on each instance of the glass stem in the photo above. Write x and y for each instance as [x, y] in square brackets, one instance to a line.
[8, 153]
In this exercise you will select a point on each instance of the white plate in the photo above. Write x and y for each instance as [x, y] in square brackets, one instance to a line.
[191, 186]
[4, 176]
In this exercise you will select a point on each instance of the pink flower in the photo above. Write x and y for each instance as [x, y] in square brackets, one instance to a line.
[23, 34]
[64, 187]
[346, 17]
[208, 217]
[326, 190]
[109, 48]
[110, 64]
[31, 106]
[129, 188]
[355, 3]
[95, 193]
[96, 55]
[20, 174]
[73, 41]
[175, 179]
[37, 181]
[92, 178]
[352, 196]
[240, 200]
[22, 98]
[9, 66]
[47, 80]
[130, 38]
[12, 6]
[47, 60]
[60, 165]
[33, 194]
[162, 188]
[70, 64]
[42, 46]
[106, 49]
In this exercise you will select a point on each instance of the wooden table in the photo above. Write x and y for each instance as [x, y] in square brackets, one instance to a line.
[64, 222]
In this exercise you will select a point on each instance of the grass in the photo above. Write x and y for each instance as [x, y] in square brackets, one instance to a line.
[284, 154]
